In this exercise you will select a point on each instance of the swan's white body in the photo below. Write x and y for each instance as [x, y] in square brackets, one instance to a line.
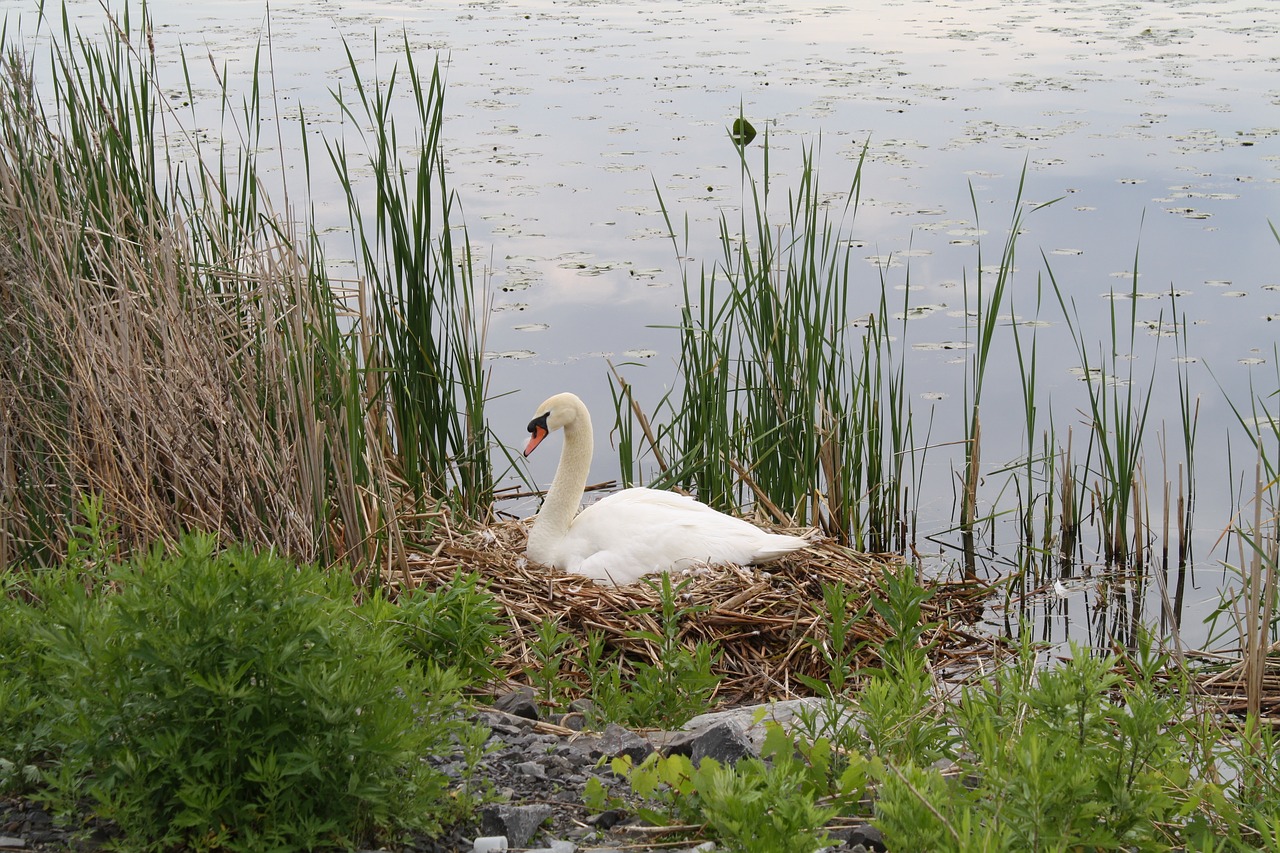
[636, 531]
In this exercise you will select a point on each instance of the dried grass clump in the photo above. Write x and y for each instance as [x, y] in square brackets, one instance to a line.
[129, 382]
[762, 621]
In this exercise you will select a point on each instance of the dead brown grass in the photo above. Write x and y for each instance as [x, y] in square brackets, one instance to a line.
[131, 382]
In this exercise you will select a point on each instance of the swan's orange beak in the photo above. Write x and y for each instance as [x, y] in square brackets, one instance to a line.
[538, 433]
[538, 430]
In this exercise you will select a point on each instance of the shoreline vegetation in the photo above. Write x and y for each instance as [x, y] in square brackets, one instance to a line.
[178, 358]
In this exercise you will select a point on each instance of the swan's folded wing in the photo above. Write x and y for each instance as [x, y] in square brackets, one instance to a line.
[639, 531]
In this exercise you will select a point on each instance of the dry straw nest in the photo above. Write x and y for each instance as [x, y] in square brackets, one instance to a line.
[764, 622]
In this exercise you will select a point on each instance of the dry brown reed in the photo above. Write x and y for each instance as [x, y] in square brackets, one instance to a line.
[767, 622]
[176, 404]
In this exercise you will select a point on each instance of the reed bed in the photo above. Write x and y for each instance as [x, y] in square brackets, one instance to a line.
[177, 347]
[767, 623]
[786, 400]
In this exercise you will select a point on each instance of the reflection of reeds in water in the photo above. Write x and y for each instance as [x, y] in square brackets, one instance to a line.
[177, 348]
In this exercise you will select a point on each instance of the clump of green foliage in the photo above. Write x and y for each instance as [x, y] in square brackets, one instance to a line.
[1056, 762]
[457, 625]
[1097, 752]
[675, 686]
[668, 692]
[225, 699]
[758, 805]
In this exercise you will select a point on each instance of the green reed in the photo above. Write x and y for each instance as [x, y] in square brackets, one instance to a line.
[989, 301]
[787, 402]
[426, 318]
[1118, 410]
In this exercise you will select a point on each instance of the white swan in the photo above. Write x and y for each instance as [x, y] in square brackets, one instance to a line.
[633, 532]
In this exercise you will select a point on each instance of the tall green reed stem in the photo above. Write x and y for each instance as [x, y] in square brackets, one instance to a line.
[1118, 417]
[985, 311]
[773, 409]
[426, 319]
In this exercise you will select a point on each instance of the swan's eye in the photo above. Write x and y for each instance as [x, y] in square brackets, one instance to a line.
[539, 423]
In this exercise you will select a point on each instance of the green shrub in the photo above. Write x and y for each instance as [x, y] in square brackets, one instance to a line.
[672, 690]
[1072, 757]
[457, 625]
[778, 803]
[24, 732]
[231, 700]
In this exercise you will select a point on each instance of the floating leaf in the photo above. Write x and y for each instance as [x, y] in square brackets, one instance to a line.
[742, 132]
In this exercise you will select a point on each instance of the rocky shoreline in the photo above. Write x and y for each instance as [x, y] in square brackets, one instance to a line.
[540, 769]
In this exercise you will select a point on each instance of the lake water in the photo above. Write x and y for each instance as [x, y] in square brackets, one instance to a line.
[1157, 125]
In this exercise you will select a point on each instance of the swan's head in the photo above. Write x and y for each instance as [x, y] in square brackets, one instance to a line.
[556, 413]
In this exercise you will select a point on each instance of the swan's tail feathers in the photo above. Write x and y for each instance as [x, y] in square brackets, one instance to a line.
[777, 546]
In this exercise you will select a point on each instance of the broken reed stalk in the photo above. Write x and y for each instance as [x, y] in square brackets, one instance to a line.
[1138, 557]
[1067, 522]
[1256, 624]
[970, 508]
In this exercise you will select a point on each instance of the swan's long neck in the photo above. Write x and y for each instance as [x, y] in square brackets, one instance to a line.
[565, 495]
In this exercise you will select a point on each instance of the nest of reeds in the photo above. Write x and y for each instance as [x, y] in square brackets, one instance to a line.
[769, 624]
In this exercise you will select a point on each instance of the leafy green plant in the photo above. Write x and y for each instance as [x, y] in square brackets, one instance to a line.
[457, 625]
[227, 699]
[680, 684]
[837, 652]
[550, 649]
[1065, 758]
[756, 808]
[757, 805]
[898, 601]
[667, 692]
[665, 784]
[25, 736]
[900, 717]
[28, 743]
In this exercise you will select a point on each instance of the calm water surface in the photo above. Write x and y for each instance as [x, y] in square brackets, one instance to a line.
[1155, 124]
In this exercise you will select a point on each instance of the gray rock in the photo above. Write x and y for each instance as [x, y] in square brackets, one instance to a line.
[607, 820]
[519, 703]
[724, 741]
[867, 837]
[531, 768]
[517, 823]
[574, 720]
[613, 742]
[786, 714]
[10, 843]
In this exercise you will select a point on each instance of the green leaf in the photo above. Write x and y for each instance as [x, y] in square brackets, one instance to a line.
[742, 132]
